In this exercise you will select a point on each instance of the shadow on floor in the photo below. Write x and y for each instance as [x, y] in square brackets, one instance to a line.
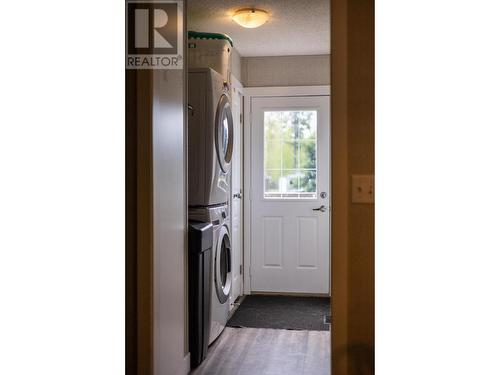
[251, 351]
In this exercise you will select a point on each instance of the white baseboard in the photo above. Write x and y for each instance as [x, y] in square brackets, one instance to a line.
[186, 366]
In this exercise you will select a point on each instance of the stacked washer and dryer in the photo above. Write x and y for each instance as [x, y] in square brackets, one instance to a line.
[210, 148]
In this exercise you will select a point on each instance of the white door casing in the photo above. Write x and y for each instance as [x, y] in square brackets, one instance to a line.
[236, 189]
[289, 241]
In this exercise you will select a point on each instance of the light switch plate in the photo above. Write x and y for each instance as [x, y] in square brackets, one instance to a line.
[363, 188]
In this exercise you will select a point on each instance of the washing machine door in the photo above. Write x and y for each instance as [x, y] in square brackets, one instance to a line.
[223, 265]
[224, 133]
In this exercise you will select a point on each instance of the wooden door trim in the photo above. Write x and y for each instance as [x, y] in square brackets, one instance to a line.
[139, 223]
[352, 72]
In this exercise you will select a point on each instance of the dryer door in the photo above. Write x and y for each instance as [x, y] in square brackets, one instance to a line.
[223, 265]
[224, 133]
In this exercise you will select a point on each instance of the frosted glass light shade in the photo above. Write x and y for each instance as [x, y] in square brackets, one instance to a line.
[250, 18]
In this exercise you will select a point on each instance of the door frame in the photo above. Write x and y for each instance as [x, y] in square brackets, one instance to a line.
[352, 110]
[248, 94]
[353, 139]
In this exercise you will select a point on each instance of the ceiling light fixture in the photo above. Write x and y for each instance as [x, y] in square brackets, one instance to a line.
[250, 18]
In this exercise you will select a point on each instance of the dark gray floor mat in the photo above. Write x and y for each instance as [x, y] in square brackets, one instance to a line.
[282, 312]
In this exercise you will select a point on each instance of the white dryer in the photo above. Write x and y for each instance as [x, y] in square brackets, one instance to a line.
[221, 264]
[210, 138]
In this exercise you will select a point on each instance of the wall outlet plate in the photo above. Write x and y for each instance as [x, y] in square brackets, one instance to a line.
[363, 189]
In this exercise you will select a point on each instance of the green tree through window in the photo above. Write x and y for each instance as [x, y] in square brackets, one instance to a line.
[290, 154]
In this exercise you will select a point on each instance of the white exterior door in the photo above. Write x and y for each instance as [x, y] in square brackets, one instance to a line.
[290, 194]
[236, 188]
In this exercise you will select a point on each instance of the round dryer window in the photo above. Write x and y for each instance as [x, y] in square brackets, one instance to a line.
[223, 265]
[224, 133]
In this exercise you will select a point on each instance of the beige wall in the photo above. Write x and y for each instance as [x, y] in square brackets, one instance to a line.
[285, 71]
[236, 64]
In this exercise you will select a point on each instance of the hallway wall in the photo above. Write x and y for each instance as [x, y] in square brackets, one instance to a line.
[285, 71]
[169, 224]
[156, 287]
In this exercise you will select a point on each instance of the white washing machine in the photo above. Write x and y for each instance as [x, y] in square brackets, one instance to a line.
[221, 264]
[210, 138]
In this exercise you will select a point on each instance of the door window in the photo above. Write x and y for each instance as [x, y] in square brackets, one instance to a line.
[223, 266]
[224, 133]
[290, 149]
[224, 261]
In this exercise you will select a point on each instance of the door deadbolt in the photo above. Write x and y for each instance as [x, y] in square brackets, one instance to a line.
[322, 194]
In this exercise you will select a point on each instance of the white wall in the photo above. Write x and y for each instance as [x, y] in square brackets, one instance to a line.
[170, 286]
[285, 71]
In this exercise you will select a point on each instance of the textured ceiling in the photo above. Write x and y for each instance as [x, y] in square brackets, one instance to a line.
[295, 27]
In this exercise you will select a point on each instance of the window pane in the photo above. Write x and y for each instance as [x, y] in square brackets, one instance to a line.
[290, 154]
[308, 181]
[289, 182]
[307, 154]
[272, 126]
[289, 125]
[272, 154]
[307, 121]
[271, 181]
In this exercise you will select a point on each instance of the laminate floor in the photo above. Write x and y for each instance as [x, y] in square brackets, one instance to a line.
[264, 351]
